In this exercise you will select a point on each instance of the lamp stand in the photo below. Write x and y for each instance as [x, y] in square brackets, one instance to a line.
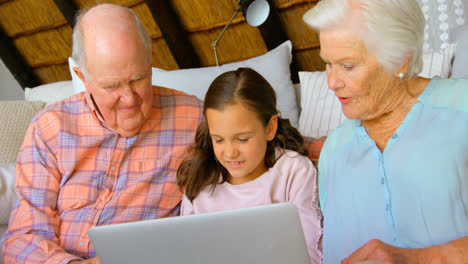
[214, 44]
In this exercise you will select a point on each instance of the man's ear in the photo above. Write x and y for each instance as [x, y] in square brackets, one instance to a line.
[81, 76]
[271, 128]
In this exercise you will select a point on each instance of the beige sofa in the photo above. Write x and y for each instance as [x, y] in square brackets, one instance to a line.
[14, 119]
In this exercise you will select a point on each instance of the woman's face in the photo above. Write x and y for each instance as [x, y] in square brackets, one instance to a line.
[354, 74]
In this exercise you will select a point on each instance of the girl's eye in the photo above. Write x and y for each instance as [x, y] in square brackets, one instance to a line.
[348, 67]
[243, 139]
[218, 141]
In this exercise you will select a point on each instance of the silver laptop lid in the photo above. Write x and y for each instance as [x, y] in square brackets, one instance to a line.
[263, 234]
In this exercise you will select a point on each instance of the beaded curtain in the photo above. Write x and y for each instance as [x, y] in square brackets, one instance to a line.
[442, 17]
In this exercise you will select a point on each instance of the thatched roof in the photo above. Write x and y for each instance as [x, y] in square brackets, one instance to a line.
[36, 34]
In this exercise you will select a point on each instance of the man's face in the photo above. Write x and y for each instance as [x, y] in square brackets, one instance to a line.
[119, 81]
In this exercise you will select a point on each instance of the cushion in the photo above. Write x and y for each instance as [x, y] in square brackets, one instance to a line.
[321, 110]
[14, 126]
[274, 66]
[7, 190]
[438, 63]
[459, 69]
[314, 146]
[49, 93]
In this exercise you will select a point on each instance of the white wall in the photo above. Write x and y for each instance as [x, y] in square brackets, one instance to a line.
[10, 89]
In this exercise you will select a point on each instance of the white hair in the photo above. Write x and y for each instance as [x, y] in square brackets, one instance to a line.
[394, 29]
[78, 50]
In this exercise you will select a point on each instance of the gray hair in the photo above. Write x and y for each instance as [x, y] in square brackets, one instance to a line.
[78, 50]
[395, 28]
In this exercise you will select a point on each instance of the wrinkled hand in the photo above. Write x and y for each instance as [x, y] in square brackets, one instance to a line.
[94, 260]
[376, 250]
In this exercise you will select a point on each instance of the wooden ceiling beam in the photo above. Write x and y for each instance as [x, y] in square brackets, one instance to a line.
[68, 9]
[273, 34]
[174, 33]
[15, 62]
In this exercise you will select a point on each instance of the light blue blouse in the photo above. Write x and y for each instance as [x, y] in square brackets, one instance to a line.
[451, 93]
[411, 195]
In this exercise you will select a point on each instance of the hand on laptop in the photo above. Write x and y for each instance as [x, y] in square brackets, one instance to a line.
[94, 260]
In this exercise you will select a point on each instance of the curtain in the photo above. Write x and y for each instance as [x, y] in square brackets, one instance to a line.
[442, 17]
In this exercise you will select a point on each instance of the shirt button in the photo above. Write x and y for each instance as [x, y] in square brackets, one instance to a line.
[387, 207]
[81, 243]
[395, 136]
[113, 168]
[382, 181]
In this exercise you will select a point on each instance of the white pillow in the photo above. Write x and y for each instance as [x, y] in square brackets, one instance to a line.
[49, 93]
[7, 190]
[321, 110]
[438, 63]
[273, 66]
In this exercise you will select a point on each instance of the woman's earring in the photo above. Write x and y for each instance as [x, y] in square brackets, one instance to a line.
[401, 75]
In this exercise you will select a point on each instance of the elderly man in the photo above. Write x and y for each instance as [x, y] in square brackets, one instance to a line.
[105, 156]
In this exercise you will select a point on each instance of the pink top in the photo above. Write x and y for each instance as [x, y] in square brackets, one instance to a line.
[292, 179]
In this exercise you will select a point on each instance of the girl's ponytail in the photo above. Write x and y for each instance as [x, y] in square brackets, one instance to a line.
[287, 137]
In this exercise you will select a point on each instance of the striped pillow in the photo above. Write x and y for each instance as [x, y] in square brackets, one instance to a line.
[321, 110]
[438, 63]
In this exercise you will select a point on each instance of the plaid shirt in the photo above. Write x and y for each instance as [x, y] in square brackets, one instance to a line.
[74, 172]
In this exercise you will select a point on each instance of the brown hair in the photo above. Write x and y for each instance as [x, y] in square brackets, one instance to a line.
[247, 87]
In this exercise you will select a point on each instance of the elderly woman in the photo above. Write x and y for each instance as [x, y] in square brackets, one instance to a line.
[393, 178]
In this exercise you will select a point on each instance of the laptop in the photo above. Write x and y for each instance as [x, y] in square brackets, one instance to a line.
[269, 234]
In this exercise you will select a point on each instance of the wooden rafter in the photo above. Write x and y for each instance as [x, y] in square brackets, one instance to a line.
[174, 33]
[290, 4]
[16, 63]
[68, 9]
[274, 34]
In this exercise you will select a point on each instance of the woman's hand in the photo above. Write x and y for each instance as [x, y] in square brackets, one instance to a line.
[455, 251]
[376, 250]
[94, 260]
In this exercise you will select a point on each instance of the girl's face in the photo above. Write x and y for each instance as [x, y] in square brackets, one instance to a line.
[240, 141]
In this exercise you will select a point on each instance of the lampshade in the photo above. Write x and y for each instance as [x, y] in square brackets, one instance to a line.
[256, 12]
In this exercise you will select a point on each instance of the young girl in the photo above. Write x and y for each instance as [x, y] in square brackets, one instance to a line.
[246, 155]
